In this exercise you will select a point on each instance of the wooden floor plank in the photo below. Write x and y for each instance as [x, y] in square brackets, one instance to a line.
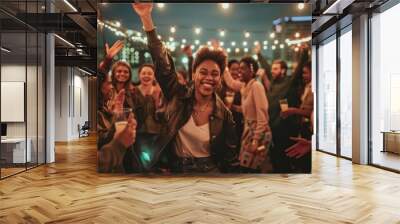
[71, 191]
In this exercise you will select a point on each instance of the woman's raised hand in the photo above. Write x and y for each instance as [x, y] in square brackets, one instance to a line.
[144, 12]
[142, 9]
[114, 49]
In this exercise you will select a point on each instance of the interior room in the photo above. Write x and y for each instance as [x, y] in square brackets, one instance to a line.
[50, 66]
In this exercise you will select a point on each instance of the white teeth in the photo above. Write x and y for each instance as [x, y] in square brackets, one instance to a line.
[207, 85]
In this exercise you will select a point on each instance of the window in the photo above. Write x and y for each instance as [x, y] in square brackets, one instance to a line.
[385, 89]
[346, 93]
[326, 100]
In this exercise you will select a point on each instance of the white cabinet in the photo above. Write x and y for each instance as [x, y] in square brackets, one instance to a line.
[13, 150]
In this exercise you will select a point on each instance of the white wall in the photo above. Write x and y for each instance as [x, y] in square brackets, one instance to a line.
[71, 94]
[33, 126]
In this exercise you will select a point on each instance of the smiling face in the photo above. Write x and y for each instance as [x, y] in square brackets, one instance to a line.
[207, 77]
[245, 72]
[121, 74]
[146, 76]
[234, 70]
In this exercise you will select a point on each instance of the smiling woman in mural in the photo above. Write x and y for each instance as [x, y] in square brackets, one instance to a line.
[199, 133]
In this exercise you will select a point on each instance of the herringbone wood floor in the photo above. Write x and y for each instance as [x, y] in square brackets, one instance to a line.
[70, 191]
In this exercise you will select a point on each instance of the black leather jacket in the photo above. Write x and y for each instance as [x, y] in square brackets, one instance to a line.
[179, 108]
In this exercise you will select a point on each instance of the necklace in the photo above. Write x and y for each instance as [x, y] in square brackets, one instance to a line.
[201, 110]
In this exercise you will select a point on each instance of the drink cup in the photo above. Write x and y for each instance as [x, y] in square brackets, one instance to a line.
[122, 119]
[284, 105]
[229, 97]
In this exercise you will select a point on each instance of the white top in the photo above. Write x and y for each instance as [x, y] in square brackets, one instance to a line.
[193, 140]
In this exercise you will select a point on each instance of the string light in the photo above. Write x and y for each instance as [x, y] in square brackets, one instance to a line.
[159, 37]
[246, 50]
[222, 33]
[233, 43]
[209, 43]
[172, 29]
[118, 24]
[276, 42]
[237, 50]
[300, 6]
[228, 50]
[160, 5]
[265, 47]
[297, 35]
[244, 43]
[272, 35]
[296, 49]
[192, 47]
[197, 42]
[247, 34]
[302, 40]
[171, 39]
[197, 30]
[225, 6]
[281, 46]
[183, 41]
[265, 42]
[256, 43]
[273, 47]
[182, 46]
[221, 43]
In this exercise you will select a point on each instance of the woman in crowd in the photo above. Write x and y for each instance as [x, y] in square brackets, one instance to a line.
[199, 132]
[256, 138]
[148, 99]
[302, 163]
[116, 147]
[114, 153]
[233, 99]
[306, 96]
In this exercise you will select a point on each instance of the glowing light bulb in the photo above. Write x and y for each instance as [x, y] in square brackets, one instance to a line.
[225, 6]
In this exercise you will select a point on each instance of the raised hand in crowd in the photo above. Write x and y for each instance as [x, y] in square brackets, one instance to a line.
[104, 65]
[144, 12]
[114, 49]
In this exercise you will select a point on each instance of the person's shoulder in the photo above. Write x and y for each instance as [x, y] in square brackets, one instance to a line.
[257, 86]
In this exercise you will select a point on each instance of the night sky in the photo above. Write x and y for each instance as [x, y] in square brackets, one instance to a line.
[255, 18]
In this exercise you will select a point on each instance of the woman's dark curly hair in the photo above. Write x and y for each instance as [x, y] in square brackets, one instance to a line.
[208, 53]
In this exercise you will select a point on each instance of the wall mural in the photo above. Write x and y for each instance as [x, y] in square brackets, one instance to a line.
[204, 88]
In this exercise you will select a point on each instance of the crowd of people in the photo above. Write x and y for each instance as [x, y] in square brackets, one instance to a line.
[220, 116]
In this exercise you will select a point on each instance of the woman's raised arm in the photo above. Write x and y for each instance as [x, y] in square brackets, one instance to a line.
[162, 60]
